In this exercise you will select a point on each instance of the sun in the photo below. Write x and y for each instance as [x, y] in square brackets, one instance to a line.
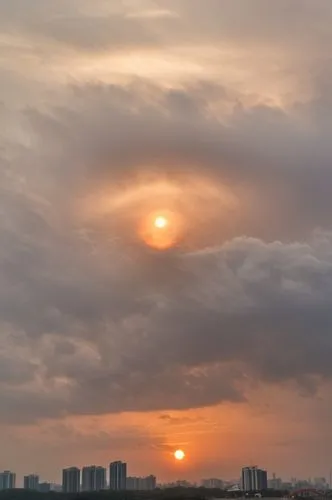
[160, 222]
[161, 229]
[179, 455]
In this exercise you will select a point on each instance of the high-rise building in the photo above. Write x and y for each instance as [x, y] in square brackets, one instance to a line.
[93, 478]
[45, 487]
[141, 483]
[254, 479]
[275, 483]
[71, 480]
[56, 487]
[31, 482]
[213, 483]
[7, 480]
[149, 483]
[118, 475]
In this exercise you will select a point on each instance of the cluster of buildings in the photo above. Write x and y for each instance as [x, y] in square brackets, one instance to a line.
[252, 479]
[318, 483]
[255, 479]
[90, 478]
[141, 483]
[213, 483]
[97, 478]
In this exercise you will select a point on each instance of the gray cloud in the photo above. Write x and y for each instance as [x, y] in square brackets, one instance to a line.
[246, 302]
[263, 153]
[96, 34]
[110, 328]
[83, 26]
[106, 324]
[280, 26]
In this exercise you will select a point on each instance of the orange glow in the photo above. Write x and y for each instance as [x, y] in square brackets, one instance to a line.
[179, 455]
[164, 214]
[160, 230]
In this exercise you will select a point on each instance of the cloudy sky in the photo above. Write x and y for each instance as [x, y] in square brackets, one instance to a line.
[218, 112]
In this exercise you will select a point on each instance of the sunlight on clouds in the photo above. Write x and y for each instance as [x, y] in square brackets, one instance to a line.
[188, 200]
[257, 80]
[210, 436]
[209, 119]
[152, 14]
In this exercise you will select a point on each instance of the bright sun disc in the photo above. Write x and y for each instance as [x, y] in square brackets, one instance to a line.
[161, 229]
[160, 222]
[179, 455]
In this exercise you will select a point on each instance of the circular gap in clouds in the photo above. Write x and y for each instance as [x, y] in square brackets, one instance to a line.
[200, 211]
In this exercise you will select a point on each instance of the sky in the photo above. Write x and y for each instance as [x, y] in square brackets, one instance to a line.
[215, 114]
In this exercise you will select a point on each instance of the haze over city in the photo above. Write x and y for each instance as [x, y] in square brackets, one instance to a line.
[165, 236]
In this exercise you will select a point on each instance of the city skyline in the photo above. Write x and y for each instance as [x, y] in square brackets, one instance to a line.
[166, 236]
[96, 478]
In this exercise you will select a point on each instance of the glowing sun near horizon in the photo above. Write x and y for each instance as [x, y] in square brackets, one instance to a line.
[179, 455]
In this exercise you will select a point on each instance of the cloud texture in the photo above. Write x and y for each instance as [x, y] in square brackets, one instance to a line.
[93, 322]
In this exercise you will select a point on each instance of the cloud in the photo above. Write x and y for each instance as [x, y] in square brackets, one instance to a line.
[87, 26]
[228, 21]
[100, 314]
[105, 323]
[108, 325]
[80, 26]
[269, 159]
[152, 14]
[96, 34]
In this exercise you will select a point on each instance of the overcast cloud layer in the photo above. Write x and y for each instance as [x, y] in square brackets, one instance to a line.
[223, 109]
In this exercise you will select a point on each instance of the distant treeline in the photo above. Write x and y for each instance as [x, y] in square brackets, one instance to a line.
[158, 494]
